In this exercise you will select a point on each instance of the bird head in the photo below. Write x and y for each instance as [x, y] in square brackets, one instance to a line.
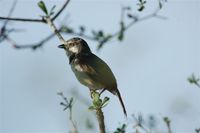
[75, 46]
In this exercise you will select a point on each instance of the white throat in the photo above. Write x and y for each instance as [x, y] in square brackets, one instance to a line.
[74, 49]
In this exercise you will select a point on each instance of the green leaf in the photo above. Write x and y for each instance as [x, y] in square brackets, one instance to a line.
[121, 36]
[91, 108]
[52, 10]
[141, 8]
[100, 33]
[82, 29]
[97, 103]
[105, 101]
[67, 29]
[71, 101]
[193, 80]
[130, 15]
[95, 96]
[166, 120]
[42, 6]
[121, 129]
[121, 33]
[141, 5]
[160, 4]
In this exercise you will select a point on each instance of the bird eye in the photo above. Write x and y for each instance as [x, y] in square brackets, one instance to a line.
[71, 44]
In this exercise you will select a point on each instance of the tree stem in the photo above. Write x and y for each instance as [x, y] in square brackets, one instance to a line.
[100, 118]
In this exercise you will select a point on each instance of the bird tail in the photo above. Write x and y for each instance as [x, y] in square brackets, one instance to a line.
[121, 101]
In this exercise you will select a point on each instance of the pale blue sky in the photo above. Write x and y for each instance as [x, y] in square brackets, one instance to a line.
[151, 65]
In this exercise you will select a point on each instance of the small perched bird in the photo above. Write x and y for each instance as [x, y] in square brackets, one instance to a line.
[89, 69]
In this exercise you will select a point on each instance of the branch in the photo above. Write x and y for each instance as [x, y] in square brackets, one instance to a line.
[100, 118]
[43, 20]
[136, 20]
[46, 39]
[97, 105]
[55, 30]
[36, 20]
[97, 36]
[22, 19]
[194, 80]
[36, 45]
[168, 124]
[68, 105]
[129, 25]
[4, 31]
[139, 123]
[10, 13]
[12, 42]
[61, 9]
[101, 38]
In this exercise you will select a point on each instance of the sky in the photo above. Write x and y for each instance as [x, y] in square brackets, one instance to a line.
[151, 66]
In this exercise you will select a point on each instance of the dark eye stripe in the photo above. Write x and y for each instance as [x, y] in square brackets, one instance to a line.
[71, 44]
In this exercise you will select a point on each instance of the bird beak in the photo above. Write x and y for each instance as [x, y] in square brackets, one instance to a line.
[61, 46]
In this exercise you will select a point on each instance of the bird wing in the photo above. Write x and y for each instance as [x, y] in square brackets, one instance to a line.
[103, 73]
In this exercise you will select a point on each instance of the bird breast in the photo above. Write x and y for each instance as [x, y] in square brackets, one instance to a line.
[86, 75]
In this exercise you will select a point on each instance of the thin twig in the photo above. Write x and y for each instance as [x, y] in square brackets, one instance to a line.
[169, 128]
[10, 13]
[4, 31]
[3, 28]
[22, 19]
[34, 46]
[168, 124]
[36, 20]
[37, 45]
[61, 9]
[89, 37]
[154, 14]
[68, 105]
[12, 42]
[75, 129]
[139, 123]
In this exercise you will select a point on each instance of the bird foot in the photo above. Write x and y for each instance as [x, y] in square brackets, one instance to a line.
[93, 91]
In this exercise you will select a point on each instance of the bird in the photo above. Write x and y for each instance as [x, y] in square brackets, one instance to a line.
[89, 69]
